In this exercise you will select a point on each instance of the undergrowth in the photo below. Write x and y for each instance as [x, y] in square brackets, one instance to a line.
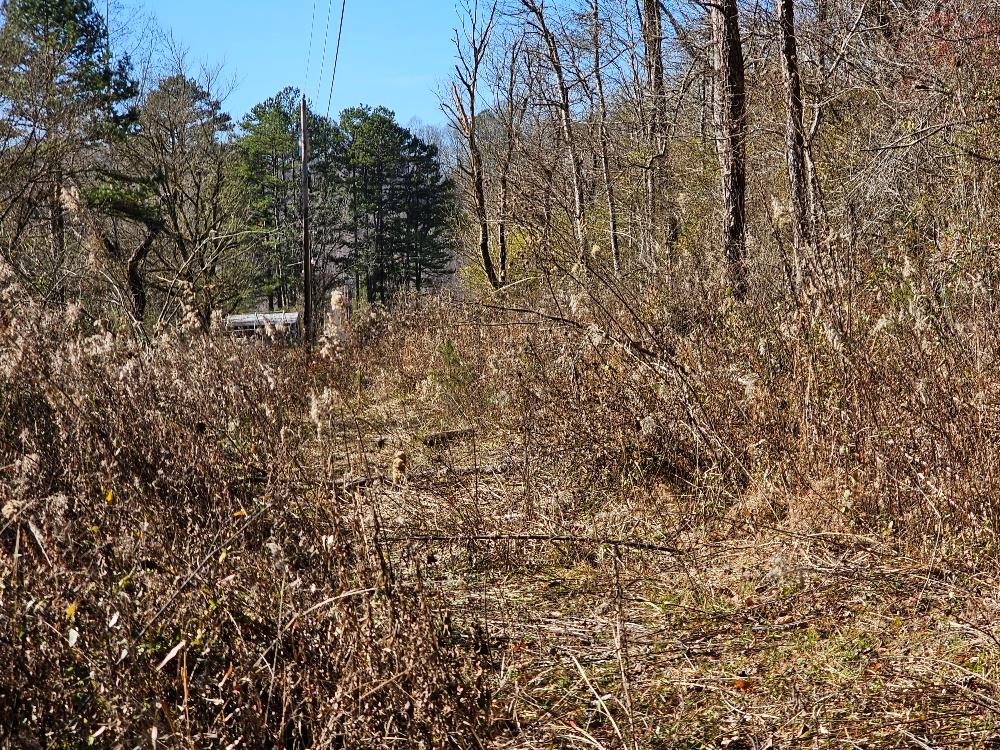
[540, 521]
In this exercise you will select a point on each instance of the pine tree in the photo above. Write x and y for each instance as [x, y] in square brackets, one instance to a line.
[269, 161]
[428, 203]
[396, 201]
[63, 91]
[379, 202]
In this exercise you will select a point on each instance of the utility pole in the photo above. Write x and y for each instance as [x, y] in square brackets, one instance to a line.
[307, 282]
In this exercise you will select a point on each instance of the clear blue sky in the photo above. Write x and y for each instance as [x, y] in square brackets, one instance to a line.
[395, 53]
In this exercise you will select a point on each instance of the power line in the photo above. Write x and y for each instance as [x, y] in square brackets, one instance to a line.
[336, 56]
[326, 38]
[312, 26]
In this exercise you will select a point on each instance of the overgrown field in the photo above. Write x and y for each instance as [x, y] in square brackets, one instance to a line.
[514, 524]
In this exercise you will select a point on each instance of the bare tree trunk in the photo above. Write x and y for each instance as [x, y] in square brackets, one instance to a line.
[602, 113]
[484, 227]
[502, 242]
[827, 67]
[502, 201]
[566, 119]
[652, 38]
[108, 243]
[513, 109]
[731, 129]
[136, 284]
[57, 231]
[794, 140]
[462, 114]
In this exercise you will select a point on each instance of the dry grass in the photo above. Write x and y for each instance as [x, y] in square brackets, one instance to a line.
[521, 524]
[173, 573]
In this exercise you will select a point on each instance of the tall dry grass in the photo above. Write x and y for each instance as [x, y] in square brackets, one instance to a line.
[206, 540]
[173, 572]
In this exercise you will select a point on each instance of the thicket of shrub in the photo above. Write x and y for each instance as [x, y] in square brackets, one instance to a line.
[182, 501]
[871, 412]
[172, 569]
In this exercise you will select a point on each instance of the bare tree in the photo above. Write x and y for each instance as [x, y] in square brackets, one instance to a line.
[121, 232]
[652, 38]
[471, 45]
[539, 23]
[731, 135]
[511, 104]
[604, 139]
[794, 138]
[184, 148]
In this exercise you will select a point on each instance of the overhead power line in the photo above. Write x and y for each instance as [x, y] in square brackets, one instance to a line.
[312, 27]
[336, 56]
[326, 38]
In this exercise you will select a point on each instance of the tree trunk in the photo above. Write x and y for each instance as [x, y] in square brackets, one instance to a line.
[136, 285]
[731, 129]
[502, 231]
[566, 118]
[57, 229]
[794, 139]
[463, 114]
[602, 113]
[484, 228]
[512, 120]
[652, 39]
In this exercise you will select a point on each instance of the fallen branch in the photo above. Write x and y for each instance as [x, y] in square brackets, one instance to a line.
[553, 538]
[430, 474]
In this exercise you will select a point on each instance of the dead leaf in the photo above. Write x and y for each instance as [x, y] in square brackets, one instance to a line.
[173, 652]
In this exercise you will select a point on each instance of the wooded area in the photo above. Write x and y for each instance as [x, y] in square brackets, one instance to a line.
[130, 190]
[802, 146]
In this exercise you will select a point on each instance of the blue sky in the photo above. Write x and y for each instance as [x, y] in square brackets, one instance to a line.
[395, 53]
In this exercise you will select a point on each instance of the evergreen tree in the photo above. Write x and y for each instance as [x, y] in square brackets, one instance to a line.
[270, 170]
[428, 203]
[62, 92]
[269, 163]
[396, 203]
[58, 76]
[378, 200]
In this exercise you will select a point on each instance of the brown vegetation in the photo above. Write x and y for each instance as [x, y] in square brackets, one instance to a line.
[733, 484]
[654, 535]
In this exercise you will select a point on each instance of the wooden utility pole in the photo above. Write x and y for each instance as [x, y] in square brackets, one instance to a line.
[307, 282]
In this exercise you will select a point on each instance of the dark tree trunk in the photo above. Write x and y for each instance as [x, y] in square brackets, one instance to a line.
[484, 252]
[57, 231]
[652, 39]
[794, 138]
[516, 106]
[731, 130]
[502, 238]
[602, 110]
[463, 113]
[136, 285]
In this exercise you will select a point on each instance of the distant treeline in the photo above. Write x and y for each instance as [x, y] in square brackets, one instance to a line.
[129, 189]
